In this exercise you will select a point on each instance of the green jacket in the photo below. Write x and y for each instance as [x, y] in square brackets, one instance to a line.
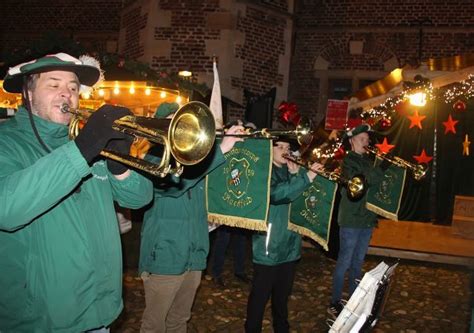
[61, 261]
[175, 236]
[353, 214]
[284, 245]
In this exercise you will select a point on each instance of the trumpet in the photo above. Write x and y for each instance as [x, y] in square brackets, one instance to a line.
[418, 171]
[188, 137]
[355, 186]
[302, 133]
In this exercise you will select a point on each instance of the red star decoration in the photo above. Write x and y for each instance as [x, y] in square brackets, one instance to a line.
[423, 158]
[384, 147]
[449, 125]
[416, 120]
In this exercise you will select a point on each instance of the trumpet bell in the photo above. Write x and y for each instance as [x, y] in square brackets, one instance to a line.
[356, 187]
[192, 133]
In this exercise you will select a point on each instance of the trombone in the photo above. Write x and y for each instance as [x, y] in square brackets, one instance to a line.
[302, 133]
[418, 171]
[355, 186]
[188, 137]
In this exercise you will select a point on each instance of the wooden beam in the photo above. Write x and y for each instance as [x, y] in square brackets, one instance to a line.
[421, 237]
[421, 256]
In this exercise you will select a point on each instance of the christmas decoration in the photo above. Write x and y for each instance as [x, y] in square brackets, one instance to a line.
[423, 157]
[449, 125]
[416, 120]
[459, 105]
[385, 123]
[464, 88]
[289, 113]
[465, 146]
[384, 147]
[340, 153]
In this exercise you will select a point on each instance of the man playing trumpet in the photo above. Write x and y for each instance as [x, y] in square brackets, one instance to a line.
[276, 252]
[355, 220]
[60, 243]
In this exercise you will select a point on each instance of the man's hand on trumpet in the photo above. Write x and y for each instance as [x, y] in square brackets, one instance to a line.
[293, 168]
[314, 169]
[228, 141]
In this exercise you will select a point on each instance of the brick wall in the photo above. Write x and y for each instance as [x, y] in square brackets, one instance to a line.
[133, 21]
[188, 34]
[249, 38]
[264, 44]
[388, 30]
[23, 21]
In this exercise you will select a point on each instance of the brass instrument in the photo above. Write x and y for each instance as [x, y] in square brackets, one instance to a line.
[302, 133]
[418, 171]
[188, 136]
[355, 186]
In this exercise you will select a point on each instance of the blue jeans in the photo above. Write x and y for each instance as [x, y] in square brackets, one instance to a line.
[354, 243]
[223, 235]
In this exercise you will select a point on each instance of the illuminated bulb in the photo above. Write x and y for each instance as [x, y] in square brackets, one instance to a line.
[86, 95]
[185, 73]
[101, 92]
[418, 99]
[163, 94]
[132, 90]
[179, 99]
[147, 91]
[116, 90]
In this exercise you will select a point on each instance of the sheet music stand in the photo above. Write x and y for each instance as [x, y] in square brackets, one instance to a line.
[361, 313]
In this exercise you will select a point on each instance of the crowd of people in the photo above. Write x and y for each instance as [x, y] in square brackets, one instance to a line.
[59, 236]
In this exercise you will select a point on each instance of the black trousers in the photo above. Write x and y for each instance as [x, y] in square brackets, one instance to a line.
[276, 281]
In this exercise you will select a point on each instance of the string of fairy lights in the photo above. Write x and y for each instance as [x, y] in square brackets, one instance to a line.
[416, 92]
[463, 89]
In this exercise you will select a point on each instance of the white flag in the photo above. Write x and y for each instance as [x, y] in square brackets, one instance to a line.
[216, 103]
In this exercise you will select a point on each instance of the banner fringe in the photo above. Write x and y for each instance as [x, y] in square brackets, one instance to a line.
[308, 233]
[237, 221]
[382, 212]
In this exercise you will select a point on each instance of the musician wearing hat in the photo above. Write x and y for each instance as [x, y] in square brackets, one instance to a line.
[276, 252]
[60, 243]
[355, 220]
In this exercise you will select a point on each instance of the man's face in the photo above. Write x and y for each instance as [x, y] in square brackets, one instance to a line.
[52, 89]
[279, 149]
[359, 142]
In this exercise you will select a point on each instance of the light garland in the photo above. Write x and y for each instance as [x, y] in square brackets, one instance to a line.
[462, 89]
[382, 111]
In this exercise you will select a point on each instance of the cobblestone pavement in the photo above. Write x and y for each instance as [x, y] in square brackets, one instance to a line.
[424, 297]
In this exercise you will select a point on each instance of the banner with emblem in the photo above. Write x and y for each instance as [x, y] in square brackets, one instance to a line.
[385, 197]
[238, 192]
[310, 213]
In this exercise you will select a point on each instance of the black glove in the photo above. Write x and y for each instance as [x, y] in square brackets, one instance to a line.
[98, 131]
[121, 146]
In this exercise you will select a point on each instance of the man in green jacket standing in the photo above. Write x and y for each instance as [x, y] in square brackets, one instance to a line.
[61, 259]
[356, 222]
[175, 241]
[276, 252]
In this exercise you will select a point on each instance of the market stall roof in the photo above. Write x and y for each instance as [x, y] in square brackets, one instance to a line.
[441, 72]
[136, 95]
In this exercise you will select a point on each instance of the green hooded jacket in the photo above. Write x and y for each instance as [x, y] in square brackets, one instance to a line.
[175, 236]
[283, 245]
[61, 260]
[352, 213]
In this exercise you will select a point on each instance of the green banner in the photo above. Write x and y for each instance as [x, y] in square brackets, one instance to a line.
[238, 192]
[310, 214]
[385, 198]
